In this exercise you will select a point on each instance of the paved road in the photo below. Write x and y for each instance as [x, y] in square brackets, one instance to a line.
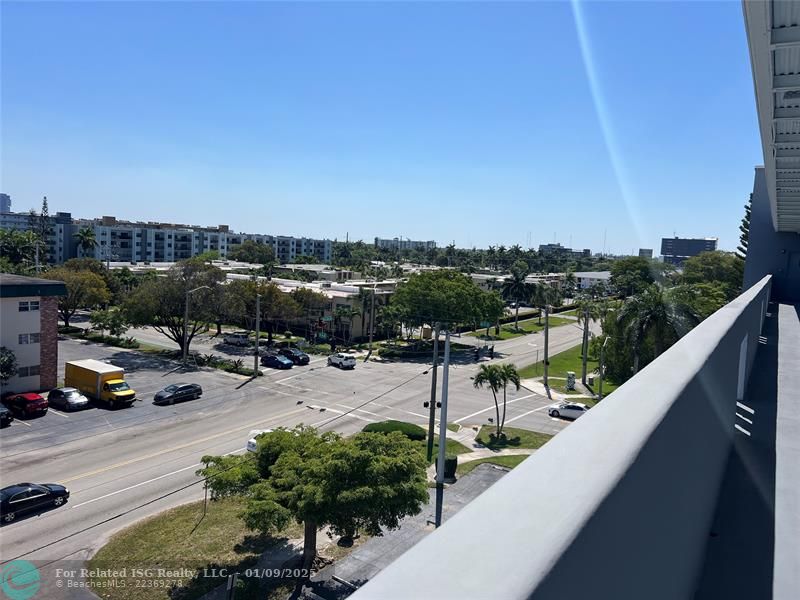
[124, 465]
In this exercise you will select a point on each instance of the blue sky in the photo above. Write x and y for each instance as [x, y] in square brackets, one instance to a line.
[473, 122]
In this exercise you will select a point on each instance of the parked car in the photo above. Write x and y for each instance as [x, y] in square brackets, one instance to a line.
[67, 398]
[252, 443]
[276, 361]
[239, 338]
[571, 410]
[5, 416]
[294, 355]
[178, 392]
[343, 361]
[26, 405]
[27, 497]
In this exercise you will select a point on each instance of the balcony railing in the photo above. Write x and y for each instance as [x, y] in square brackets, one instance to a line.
[619, 504]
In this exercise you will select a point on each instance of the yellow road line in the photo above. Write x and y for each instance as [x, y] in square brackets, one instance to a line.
[181, 446]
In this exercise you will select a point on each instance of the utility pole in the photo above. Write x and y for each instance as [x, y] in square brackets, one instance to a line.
[602, 370]
[442, 432]
[546, 342]
[371, 322]
[258, 334]
[585, 343]
[432, 406]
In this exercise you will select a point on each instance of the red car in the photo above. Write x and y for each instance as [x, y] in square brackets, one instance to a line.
[26, 405]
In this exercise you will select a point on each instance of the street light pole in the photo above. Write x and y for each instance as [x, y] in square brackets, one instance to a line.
[602, 370]
[442, 432]
[546, 344]
[258, 333]
[432, 405]
[371, 321]
[186, 322]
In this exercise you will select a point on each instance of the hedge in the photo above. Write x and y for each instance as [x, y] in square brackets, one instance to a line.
[411, 431]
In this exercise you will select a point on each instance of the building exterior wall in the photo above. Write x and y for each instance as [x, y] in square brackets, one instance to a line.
[18, 323]
[771, 252]
[401, 244]
[676, 250]
[48, 343]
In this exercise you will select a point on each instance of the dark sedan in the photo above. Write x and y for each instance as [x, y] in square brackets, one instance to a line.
[67, 398]
[276, 361]
[30, 497]
[178, 392]
[26, 405]
[5, 416]
[296, 356]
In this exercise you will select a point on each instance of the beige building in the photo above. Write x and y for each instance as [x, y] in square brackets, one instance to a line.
[29, 328]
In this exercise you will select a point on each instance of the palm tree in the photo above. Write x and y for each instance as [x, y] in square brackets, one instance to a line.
[508, 375]
[87, 240]
[489, 376]
[569, 284]
[543, 295]
[491, 257]
[515, 287]
[653, 311]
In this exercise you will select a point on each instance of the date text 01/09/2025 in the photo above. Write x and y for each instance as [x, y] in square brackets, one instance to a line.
[259, 573]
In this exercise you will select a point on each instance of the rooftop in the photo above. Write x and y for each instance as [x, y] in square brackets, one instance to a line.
[18, 286]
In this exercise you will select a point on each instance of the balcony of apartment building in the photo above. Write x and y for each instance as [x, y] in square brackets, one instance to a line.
[685, 483]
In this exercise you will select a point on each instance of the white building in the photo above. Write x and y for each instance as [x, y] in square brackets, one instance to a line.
[586, 279]
[401, 244]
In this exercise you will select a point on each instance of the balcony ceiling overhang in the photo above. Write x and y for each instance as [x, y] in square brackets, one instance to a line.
[773, 35]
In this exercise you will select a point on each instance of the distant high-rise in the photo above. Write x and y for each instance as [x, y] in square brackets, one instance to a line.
[676, 250]
[645, 253]
[5, 203]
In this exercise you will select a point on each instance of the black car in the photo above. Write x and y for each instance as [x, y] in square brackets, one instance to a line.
[29, 497]
[276, 361]
[294, 355]
[5, 416]
[178, 392]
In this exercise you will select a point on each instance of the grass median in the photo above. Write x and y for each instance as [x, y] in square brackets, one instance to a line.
[507, 331]
[509, 462]
[569, 360]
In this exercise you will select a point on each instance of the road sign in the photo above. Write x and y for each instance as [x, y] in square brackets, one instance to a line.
[327, 318]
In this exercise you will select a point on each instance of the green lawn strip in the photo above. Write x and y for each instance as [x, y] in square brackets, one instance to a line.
[453, 426]
[514, 438]
[508, 332]
[569, 360]
[502, 461]
[453, 447]
[183, 538]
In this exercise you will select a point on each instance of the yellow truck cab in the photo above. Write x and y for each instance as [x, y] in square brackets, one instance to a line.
[101, 381]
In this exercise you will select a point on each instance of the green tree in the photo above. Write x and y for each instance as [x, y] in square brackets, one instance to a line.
[252, 252]
[543, 295]
[114, 321]
[721, 267]
[86, 238]
[364, 483]
[631, 275]
[515, 287]
[701, 299]
[84, 290]
[569, 284]
[208, 256]
[744, 229]
[160, 302]
[276, 306]
[98, 268]
[655, 314]
[587, 310]
[18, 249]
[8, 364]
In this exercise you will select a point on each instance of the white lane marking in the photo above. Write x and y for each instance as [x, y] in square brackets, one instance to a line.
[742, 429]
[492, 408]
[747, 408]
[60, 414]
[526, 414]
[408, 412]
[21, 422]
[359, 410]
[743, 418]
[148, 481]
[297, 387]
[341, 412]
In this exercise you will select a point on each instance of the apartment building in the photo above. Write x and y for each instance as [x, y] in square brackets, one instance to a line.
[137, 241]
[676, 250]
[29, 314]
[401, 244]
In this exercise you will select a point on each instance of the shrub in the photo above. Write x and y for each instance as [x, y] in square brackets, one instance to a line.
[411, 431]
[287, 334]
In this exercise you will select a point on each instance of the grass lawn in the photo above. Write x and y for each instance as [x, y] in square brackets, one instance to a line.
[527, 326]
[515, 438]
[174, 540]
[453, 426]
[502, 461]
[569, 360]
[453, 447]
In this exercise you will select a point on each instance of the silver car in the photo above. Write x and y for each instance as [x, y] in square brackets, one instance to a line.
[67, 398]
[570, 410]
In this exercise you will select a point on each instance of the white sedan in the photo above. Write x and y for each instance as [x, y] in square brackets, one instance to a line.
[570, 410]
